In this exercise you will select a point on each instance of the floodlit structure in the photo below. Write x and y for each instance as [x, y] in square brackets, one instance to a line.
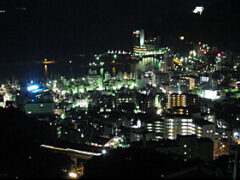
[139, 37]
[33, 87]
[39, 100]
[210, 94]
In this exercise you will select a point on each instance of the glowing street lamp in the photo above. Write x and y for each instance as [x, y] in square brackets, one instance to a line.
[181, 38]
[104, 151]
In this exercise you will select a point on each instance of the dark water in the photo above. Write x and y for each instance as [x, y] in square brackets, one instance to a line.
[35, 71]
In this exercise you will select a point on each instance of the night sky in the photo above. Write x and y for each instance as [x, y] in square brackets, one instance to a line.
[34, 29]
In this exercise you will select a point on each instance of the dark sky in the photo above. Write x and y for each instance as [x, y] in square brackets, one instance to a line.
[31, 30]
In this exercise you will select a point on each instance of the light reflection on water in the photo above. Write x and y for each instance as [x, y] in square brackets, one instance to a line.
[35, 71]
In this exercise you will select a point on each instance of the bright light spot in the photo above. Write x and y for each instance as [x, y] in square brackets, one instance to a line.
[198, 10]
[72, 174]
[104, 151]
[192, 53]
[159, 111]
[210, 94]
[236, 135]
[181, 37]
[163, 90]
[32, 87]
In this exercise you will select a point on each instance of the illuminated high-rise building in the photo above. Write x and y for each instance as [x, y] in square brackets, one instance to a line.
[156, 128]
[39, 101]
[185, 126]
[181, 100]
[191, 83]
[179, 126]
[176, 100]
[139, 38]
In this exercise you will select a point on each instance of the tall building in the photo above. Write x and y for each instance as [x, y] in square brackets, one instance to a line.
[139, 38]
[174, 126]
[39, 101]
[191, 83]
[156, 128]
[176, 100]
[185, 126]
[167, 63]
[181, 100]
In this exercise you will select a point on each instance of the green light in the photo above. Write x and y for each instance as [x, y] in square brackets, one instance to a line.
[63, 116]
[135, 111]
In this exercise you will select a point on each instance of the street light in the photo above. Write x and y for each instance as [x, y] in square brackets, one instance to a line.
[181, 38]
[104, 151]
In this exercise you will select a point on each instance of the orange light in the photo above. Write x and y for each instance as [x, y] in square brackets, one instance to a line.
[45, 69]
[48, 62]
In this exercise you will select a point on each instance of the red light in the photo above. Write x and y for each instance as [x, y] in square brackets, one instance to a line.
[205, 52]
[219, 54]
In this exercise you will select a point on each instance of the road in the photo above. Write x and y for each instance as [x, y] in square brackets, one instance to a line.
[83, 155]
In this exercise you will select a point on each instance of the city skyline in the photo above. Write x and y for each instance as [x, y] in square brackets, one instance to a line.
[133, 89]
